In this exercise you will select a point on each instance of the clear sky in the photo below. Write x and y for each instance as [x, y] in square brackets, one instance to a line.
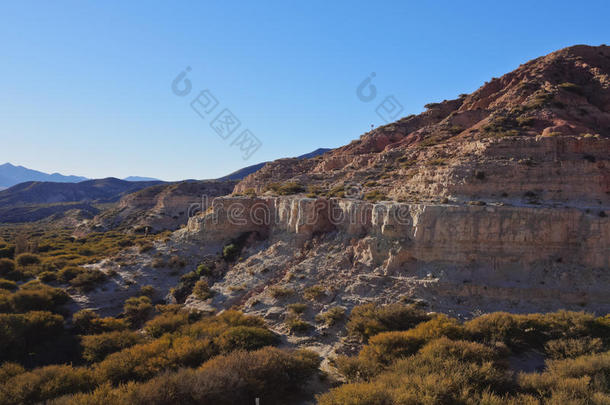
[86, 87]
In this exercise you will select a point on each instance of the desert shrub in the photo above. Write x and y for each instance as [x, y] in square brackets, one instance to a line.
[204, 270]
[442, 372]
[532, 331]
[369, 319]
[165, 323]
[47, 276]
[8, 251]
[68, 273]
[570, 348]
[137, 310]
[374, 196]
[202, 290]
[230, 252]
[97, 347]
[7, 284]
[143, 361]
[286, 188]
[87, 322]
[87, 279]
[42, 384]
[297, 308]
[332, 316]
[245, 338]
[386, 347]
[189, 278]
[237, 378]
[148, 290]
[27, 259]
[7, 266]
[582, 380]
[314, 293]
[297, 325]
[35, 296]
[278, 292]
[21, 333]
[9, 370]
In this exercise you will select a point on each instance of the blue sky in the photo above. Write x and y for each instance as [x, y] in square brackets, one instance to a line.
[86, 86]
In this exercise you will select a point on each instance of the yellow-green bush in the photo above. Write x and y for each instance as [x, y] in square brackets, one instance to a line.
[137, 310]
[237, 378]
[245, 338]
[87, 322]
[97, 347]
[369, 319]
[45, 383]
[166, 322]
[143, 361]
[22, 333]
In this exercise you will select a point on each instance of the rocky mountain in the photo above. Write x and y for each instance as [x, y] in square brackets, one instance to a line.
[538, 135]
[497, 200]
[11, 175]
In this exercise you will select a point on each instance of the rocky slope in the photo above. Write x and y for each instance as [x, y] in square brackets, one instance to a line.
[161, 207]
[498, 200]
[539, 133]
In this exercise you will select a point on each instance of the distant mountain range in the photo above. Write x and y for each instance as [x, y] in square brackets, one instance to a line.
[29, 195]
[11, 175]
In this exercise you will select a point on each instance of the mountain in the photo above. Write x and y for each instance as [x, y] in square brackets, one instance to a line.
[243, 172]
[34, 200]
[11, 175]
[537, 134]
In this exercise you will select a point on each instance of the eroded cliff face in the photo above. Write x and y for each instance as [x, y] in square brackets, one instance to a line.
[458, 258]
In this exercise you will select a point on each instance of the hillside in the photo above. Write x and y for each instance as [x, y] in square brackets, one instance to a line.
[11, 175]
[33, 201]
[497, 200]
[539, 134]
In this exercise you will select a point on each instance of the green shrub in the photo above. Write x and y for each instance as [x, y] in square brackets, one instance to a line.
[570, 348]
[27, 259]
[87, 279]
[278, 292]
[69, 273]
[237, 378]
[166, 322]
[297, 325]
[332, 316]
[297, 308]
[314, 293]
[7, 284]
[245, 338]
[34, 296]
[369, 319]
[97, 347]
[42, 384]
[230, 252]
[137, 310]
[202, 290]
[148, 290]
[87, 322]
[22, 333]
[7, 267]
